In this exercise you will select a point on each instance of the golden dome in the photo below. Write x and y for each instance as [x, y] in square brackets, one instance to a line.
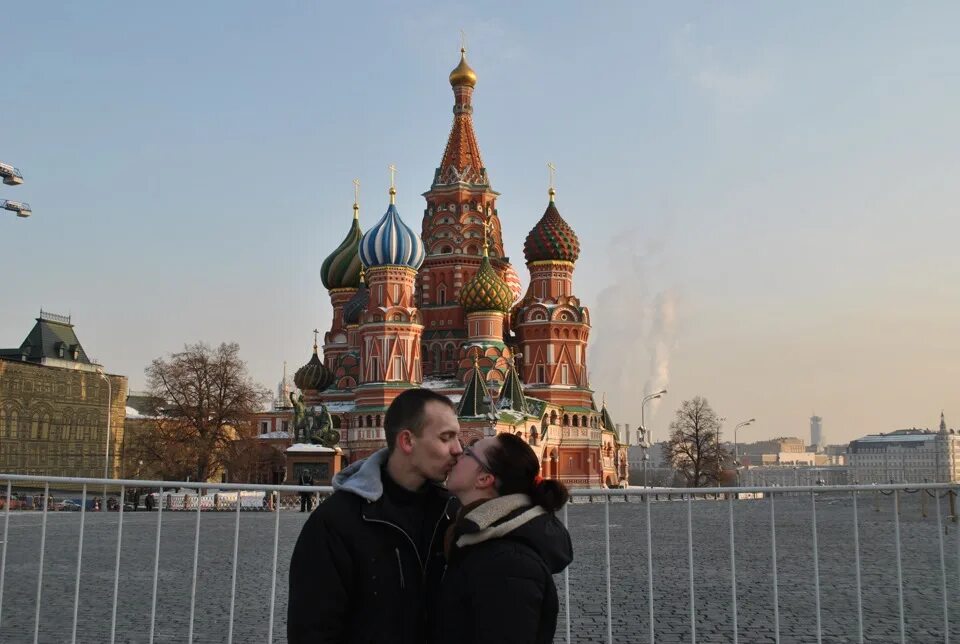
[463, 74]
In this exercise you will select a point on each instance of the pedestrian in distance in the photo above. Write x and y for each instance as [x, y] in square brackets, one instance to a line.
[503, 549]
[368, 562]
[306, 498]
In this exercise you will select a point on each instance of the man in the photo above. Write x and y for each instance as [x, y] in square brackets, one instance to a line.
[306, 498]
[370, 557]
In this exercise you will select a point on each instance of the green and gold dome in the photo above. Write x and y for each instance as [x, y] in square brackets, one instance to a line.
[487, 291]
[342, 268]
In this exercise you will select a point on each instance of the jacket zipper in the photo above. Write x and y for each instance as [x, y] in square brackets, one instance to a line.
[403, 583]
[423, 567]
[433, 536]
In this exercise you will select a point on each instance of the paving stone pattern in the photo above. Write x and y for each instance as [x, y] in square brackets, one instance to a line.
[923, 602]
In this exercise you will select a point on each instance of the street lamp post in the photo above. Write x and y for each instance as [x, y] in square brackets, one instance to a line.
[644, 438]
[106, 452]
[736, 451]
[643, 426]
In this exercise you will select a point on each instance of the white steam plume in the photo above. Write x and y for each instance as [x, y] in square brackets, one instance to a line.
[633, 333]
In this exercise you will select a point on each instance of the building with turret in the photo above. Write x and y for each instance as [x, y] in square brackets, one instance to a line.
[906, 456]
[443, 308]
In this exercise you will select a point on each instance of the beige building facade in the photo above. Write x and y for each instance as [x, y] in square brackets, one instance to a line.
[54, 406]
[906, 456]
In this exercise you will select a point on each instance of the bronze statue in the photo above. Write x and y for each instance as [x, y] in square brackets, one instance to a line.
[299, 416]
[311, 425]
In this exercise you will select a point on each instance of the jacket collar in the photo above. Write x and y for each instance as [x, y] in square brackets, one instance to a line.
[496, 518]
[363, 478]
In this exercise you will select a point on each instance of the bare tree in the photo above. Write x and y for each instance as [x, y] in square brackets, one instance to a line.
[207, 401]
[252, 461]
[693, 450]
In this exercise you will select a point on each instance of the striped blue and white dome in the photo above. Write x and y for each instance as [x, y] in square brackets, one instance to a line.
[391, 242]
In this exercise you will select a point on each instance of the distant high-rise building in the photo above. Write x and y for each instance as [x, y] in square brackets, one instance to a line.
[816, 431]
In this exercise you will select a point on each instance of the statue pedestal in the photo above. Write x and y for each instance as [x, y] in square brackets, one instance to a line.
[323, 463]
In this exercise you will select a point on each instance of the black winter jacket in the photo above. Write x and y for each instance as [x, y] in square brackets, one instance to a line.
[355, 575]
[499, 586]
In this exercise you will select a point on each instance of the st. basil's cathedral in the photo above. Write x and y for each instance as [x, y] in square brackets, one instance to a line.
[445, 310]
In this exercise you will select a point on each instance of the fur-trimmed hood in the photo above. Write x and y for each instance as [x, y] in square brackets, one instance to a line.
[516, 517]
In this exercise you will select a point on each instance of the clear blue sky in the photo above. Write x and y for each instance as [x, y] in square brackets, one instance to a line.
[766, 195]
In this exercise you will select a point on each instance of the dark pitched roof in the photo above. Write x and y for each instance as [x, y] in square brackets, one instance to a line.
[476, 400]
[511, 395]
[51, 337]
[607, 420]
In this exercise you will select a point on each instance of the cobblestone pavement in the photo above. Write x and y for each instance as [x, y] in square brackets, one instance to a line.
[923, 601]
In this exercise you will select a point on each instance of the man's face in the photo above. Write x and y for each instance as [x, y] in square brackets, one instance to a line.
[436, 449]
[471, 466]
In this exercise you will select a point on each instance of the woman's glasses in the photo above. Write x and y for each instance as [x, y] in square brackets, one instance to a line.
[468, 451]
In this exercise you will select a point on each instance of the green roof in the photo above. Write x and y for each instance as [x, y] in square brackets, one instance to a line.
[476, 400]
[511, 394]
[51, 337]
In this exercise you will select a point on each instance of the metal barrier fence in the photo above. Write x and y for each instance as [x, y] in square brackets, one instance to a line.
[642, 562]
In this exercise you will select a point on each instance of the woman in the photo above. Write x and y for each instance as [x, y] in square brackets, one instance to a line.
[503, 549]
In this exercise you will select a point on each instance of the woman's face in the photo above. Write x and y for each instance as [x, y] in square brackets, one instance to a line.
[471, 466]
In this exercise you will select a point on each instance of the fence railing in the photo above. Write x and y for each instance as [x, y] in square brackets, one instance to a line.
[651, 564]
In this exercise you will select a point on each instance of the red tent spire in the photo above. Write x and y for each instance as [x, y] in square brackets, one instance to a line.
[461, 158]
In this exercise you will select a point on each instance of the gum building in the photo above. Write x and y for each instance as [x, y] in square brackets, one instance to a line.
[54, 404]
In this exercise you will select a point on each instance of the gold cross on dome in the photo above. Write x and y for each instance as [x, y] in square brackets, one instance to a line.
[552, 169]
[393, 172]
[463, 41]
[356, 191]
[315, 334]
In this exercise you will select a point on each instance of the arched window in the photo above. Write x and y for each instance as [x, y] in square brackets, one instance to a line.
[378, 421]
[450, 353]
[359, 421]
[576, 421]
[369, 421]
[441, 295]
[583, 421]
[566, 420]
[553, 418]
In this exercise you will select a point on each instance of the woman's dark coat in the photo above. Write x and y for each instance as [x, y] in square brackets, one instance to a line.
[498, 586]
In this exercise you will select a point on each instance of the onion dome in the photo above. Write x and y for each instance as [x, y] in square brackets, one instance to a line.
[463, 74]
[313, 376]
[486, 291]
[552, 238]
[391, 242]
[341, 269]
[357, 304]
[513, 281]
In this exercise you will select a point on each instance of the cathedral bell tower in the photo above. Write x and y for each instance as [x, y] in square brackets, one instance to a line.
[461, 205]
